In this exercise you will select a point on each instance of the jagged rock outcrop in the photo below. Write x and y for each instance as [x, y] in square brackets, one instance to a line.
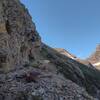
[95, 57]
[40, 72]
[17, 35]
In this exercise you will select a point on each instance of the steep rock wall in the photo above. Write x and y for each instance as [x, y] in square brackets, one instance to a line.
[18, 35]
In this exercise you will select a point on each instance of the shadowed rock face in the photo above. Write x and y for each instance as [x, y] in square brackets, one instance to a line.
[16, 34]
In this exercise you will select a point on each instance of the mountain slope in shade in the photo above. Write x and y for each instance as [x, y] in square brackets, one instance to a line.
[31, 70]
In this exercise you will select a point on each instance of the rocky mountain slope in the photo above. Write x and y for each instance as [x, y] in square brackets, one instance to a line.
[65, 52]
[31, 70]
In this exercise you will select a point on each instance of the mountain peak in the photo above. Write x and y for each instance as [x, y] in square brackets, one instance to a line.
[98, 47]
[95, 56]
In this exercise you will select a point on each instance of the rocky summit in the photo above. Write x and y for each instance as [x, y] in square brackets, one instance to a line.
[31, 70]
[95, 57]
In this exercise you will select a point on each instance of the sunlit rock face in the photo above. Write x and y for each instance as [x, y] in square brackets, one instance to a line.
[95, 57]
[18, 35]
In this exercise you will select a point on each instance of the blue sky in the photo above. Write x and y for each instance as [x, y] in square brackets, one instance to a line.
[70, 24]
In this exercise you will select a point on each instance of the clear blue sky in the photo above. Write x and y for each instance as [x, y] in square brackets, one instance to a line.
[70, 24]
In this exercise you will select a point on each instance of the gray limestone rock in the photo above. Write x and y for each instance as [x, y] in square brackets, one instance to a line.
[18, 35]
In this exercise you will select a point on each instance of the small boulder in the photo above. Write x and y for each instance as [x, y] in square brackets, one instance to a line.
[32, 76]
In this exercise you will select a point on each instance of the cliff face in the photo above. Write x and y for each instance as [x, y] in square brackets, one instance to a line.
[35, 71]
[17, 35]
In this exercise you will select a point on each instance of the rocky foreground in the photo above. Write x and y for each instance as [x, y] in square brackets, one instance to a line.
[48, 86]
[31, 70]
